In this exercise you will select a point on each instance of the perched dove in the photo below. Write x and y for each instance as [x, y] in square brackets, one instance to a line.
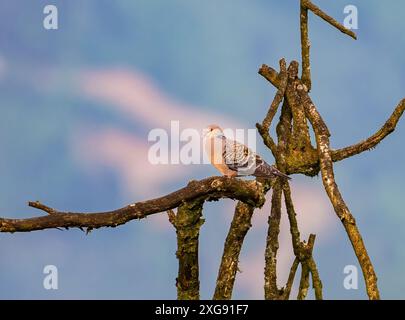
[232, 158]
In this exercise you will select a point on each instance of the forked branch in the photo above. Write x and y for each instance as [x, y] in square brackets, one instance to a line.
[389, 126]
[209, 189]
[316, 10]
[306, 5]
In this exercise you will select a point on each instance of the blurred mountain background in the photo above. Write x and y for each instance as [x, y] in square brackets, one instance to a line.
[77, 104]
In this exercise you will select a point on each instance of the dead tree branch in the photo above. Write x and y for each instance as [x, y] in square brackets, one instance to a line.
[305, 46]
[271, 291]
[322, 139]
[293, 134]
[264, 127]
[310, 164]
[302, 251]
[188, 222]
[316, 280]
[287, 289]
[240, 225]
[371, 142]
[304, 282]
[310, 161]
[306, 5]
[316, 10]
[209, 189]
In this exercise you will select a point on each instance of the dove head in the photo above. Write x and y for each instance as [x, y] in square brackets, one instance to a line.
[213, 131]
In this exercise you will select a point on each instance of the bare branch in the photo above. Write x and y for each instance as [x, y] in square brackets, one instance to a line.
[341, 209]
[278, 98]
[290, 281]
[240, 225]
[172, 217]
[302, 251]
[305, 47]
[304, 282]
[310, 261]
[371, 142]
[188, 222]
[337, 155]
[208, 189]
[271, 291]
[40, 206]
[306, 5]
[301, 139]
[295, 233]
[316, 280]
[270, 75]
[316, 10]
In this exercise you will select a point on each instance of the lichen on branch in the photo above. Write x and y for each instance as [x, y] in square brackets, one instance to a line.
[209, 189]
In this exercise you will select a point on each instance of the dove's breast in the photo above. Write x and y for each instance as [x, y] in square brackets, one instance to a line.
[214, 147]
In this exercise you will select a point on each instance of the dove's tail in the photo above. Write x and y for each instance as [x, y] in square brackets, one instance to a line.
[265, 170]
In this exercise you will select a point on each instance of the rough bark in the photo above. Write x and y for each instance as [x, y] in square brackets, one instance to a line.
[271, 291]
[188, 222]
[240, 225]
[209, 189]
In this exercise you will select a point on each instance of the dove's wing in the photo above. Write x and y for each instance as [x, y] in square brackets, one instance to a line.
[239, 157]
[244, 161]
